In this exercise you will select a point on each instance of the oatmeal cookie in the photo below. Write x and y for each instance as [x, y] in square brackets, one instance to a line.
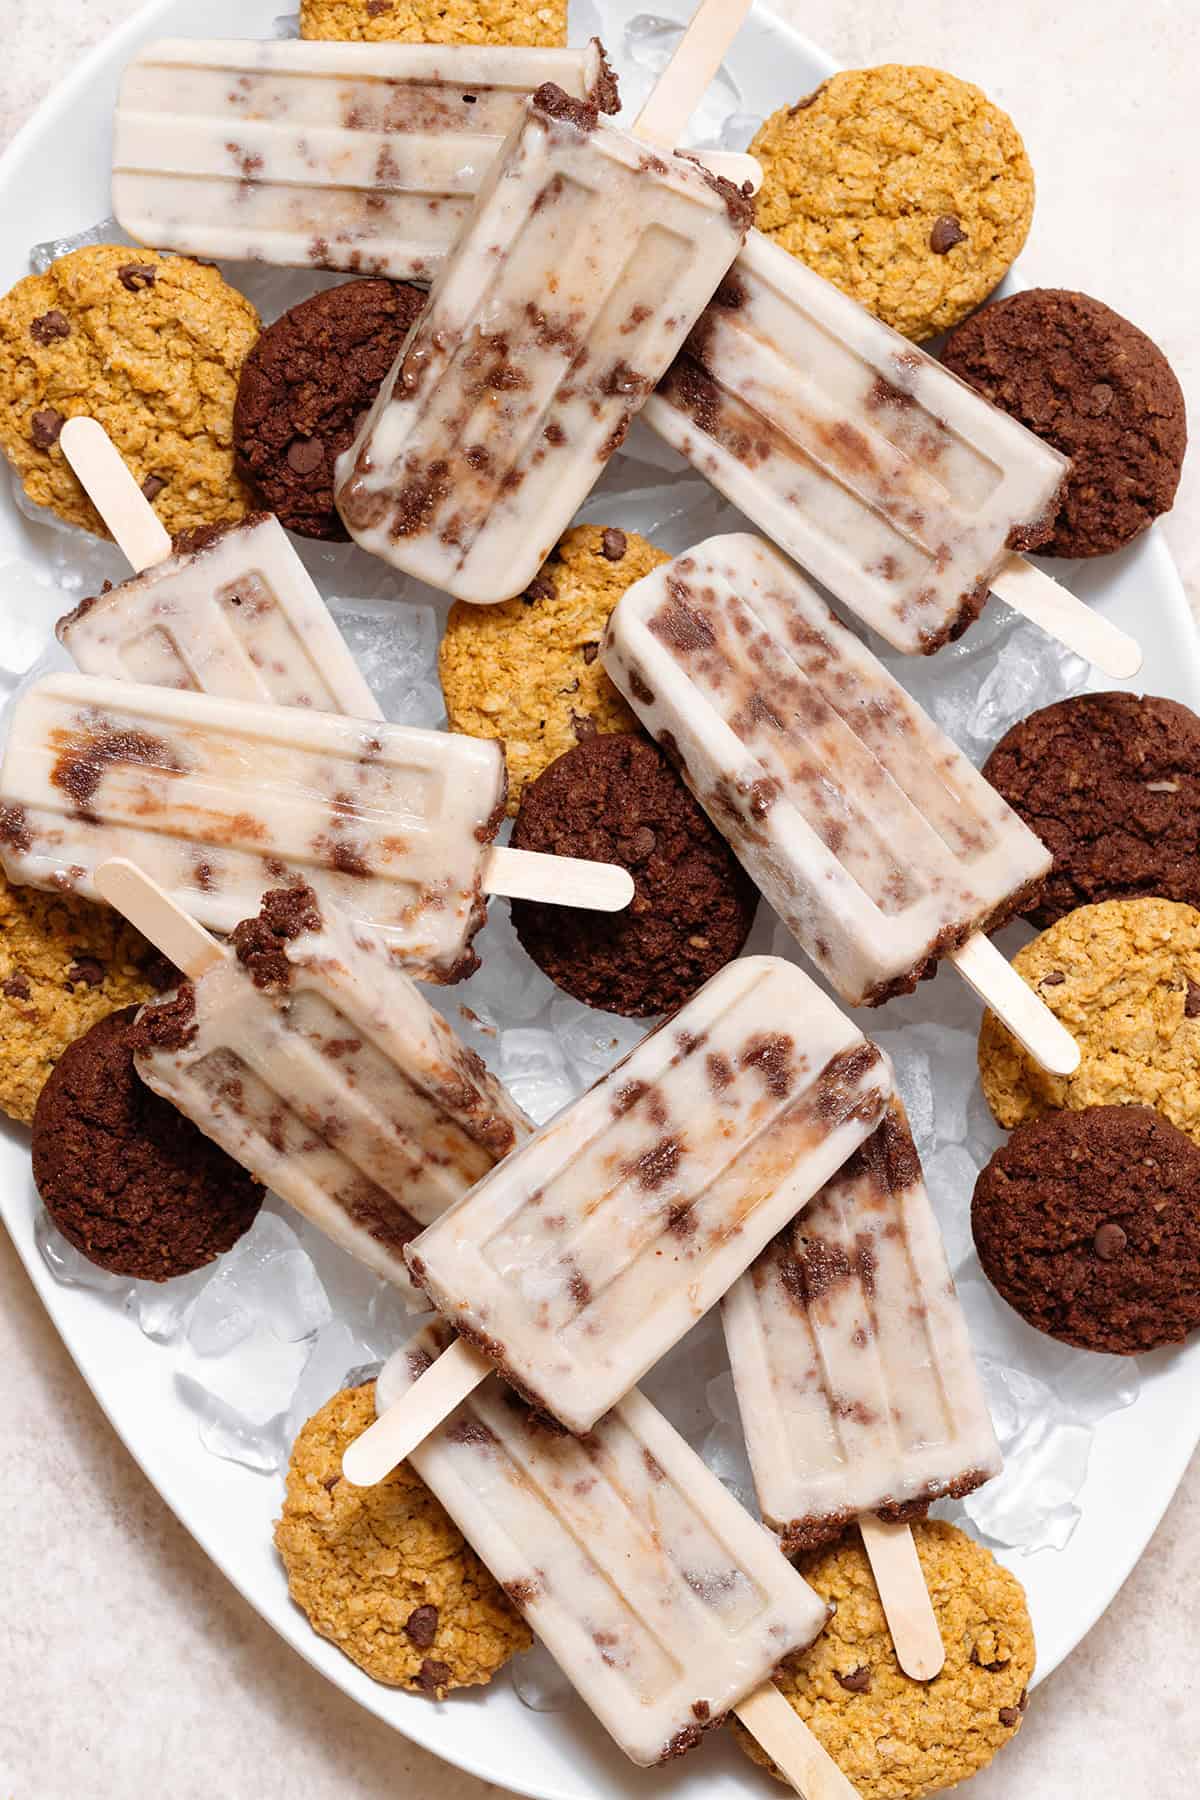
[152, 346]
[1124, 978]
[894, 1738]
[903, 186]
[382, 1572]
[528, 671]
[436, 21]
[64, 964]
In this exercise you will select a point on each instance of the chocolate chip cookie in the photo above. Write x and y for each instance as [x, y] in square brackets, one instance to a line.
[382, 1572]
[903, 186]
[152, 346]
[617, 799]
[436, 21]
[1088, 1224]
[306, 387]
[1111, 785]
[1099, 390]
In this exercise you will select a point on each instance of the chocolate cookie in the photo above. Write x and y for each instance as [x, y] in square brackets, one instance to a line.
[1096, 388]
[304, 389]
[383, 1572]
[1088, 1224]
[1111, 784]
[894, 1738]
[616, 798]
[133, 1185]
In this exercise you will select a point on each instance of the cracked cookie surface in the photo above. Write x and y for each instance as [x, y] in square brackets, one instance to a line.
[152, 346]
[383, 1572]
[904, 186]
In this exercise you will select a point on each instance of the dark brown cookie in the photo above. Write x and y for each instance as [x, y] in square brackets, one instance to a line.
[304, 389]
[1088, 1224]
[1095, 387]
[617, 799]
[131, 1182]
[1111, 785]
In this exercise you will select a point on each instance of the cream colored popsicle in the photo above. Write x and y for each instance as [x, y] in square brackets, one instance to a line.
[220, 800]
[879, 845]
[855, 1378]
[577, 1263]
[664, 1603]
[587, 259]
[883, 475]
[363, 157]
[315, 1062]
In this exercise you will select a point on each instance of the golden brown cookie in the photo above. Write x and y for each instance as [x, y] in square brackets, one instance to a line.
[436, 21]
[64, 964]
[150, 345]
[894, 1738]
[1124, 978]
[528, 670]
[382, 1572]
[903, 186]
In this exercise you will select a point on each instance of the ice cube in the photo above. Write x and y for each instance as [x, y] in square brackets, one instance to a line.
[594, 1040]
[539, 1682]
[267, 1277]
[106, 232]
[161, 1308]
[508, 987]
[650, 42]
[31, 606]
[950, 1174]
[285, 25]
[536, 1073]
[228, 1433]
[69, 1266]
[335, 1353]
[396, 649]
[724, 1446]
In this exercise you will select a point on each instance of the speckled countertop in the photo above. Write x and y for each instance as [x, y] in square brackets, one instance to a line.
[128, 1665]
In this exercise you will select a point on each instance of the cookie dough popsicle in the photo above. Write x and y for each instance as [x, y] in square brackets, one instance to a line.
[878, 844]
[220, 800]
[319, 1066]
[663, 1602]
[230, 610]
[907, 494]
[588, 257]
[855, 1379]
[579, 1261]
[362, 157]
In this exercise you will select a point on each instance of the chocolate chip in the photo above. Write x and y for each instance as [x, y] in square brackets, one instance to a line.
[420, 1627]
[857, 1682]
[375, 8]
[993, 1668]
[1054, 979]
[1191, 1006]
[16, 988]
[638, 846]
[540, 588]
[945, 234]
[153, 486]
[433, 1675]
[136, 276]
[87, 970]
[305, 455]
[50, 327]
[1109, 1242]
[613, 544]
[1100, 398]
[583, 725]
[45, 427]
[1010, 1716]
[590, 653]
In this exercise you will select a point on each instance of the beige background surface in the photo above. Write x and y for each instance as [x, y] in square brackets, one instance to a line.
[128, 1666]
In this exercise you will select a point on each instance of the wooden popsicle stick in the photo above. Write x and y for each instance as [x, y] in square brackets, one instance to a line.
[1016, 1005]
[151, 909]
[396, 1433]
[116, 496]
[744, 170]
[1032, 593]
[559, 880]
[698, 56]
[904, 1596]
[793, 1749]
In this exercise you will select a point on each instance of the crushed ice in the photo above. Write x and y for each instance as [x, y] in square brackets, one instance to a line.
[272, 1330]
